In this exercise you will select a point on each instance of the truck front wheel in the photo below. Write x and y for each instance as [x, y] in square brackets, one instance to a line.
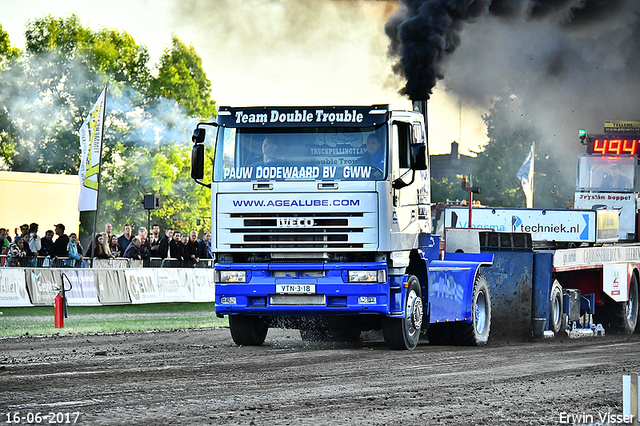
[404, 333]
[247, 330]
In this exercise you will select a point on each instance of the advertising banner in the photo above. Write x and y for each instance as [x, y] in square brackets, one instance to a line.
[112, 287]
[43, 285]
[543, 225]
[83, 287]
[13, 288]
[175, 284]
[91, 147]
[202, 285]
[143, 286]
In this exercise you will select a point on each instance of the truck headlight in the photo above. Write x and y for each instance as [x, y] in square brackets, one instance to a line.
[368, 276]
[231, 277]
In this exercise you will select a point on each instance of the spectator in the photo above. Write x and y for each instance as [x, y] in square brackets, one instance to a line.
[154, 240]
[142, 231]
[184, 256]
[16, 252]
[31, 256]
[46, 244]
[61, 244]
[192, 249]
[24, 230]
[145, 250]
[125, 239]
[34, 243]
[114, 248]
[175, 246]
[4, 243]
[74, 254]
[98, 248]
[107, 231]
[163, 245]
[133, 251]
[204, 246]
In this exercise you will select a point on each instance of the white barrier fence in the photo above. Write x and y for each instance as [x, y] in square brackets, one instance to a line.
[39, 286]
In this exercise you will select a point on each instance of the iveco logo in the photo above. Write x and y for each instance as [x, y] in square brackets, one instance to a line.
[292, 222]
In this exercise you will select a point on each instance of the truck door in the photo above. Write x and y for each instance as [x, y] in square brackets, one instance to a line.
[405, 200]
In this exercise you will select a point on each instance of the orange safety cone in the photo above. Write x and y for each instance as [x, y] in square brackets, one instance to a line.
[58, 311]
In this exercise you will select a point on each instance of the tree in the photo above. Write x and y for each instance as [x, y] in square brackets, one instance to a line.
[511, 134]
[8, 54]
[182, 78]
[48, 91]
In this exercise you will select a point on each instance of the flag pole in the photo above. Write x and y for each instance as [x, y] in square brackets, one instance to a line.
[95, 215]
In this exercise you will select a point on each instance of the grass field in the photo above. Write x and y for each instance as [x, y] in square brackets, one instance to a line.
[108, 319]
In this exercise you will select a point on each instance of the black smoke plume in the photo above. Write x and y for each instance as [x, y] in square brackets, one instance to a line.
[424, 33]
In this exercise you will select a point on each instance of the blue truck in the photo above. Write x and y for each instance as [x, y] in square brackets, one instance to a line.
[321, 221]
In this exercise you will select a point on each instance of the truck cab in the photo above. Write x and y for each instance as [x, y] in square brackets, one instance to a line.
[321, 220]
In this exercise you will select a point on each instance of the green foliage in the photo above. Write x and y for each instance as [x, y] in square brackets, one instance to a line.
[443, 190]
[182, 78]
[45, 96]
[511, 134]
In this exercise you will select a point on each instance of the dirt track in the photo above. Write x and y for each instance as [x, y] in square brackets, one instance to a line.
[201, 377]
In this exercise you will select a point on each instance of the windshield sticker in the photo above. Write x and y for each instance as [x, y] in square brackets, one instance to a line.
[308, 172]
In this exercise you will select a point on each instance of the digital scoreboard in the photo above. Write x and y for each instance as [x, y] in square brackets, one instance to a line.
[613, 144]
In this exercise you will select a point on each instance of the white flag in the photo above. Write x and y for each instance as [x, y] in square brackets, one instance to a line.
[91, 146]
[525, 174]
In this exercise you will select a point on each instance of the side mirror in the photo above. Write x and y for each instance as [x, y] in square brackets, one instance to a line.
[418, 156]
[198, 136]
[197, 159]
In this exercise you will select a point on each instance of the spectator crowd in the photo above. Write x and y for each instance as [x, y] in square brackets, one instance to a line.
[28, 249]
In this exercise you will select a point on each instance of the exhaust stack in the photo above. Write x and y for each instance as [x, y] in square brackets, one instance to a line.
[421, 107]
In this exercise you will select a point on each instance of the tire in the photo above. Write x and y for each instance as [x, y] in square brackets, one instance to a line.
[476, 332]
[556, 308]
[439, 334]
[247, 330]
[624, 315]
[404, 333]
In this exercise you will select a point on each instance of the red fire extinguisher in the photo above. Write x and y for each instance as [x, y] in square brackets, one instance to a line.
[58, 311]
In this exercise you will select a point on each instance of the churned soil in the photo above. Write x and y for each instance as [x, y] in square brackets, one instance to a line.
[201, 377]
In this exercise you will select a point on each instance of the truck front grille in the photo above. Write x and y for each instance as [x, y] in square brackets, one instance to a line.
[317, 230]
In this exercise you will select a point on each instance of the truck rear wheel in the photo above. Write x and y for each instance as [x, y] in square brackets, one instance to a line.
[404, 333]
[247, 330]
[476, 332]
[625, 314]
[555, 323]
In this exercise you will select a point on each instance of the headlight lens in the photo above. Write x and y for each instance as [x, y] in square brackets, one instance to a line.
[368, 276]
[231, 276]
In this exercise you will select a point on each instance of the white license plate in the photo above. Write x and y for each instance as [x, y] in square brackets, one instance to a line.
[295, 288]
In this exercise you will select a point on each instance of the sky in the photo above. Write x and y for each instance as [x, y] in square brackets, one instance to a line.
[273, 52]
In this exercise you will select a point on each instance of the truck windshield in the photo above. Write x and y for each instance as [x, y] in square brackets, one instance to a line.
[302, 153]
[606, 173]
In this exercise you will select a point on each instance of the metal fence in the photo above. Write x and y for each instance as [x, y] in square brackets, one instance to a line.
[119, 262]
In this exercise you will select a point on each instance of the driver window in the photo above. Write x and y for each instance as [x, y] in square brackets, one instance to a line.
[405, 133]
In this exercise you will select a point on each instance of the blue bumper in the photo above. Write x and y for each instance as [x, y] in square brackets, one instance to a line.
[332, 292]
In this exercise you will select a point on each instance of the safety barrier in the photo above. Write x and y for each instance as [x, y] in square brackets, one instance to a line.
[118, 262]
[105, 286]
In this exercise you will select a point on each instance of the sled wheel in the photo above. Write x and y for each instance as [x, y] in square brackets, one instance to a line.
[555, 323]
[404, 333]
[247, 330]
[625, 314]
